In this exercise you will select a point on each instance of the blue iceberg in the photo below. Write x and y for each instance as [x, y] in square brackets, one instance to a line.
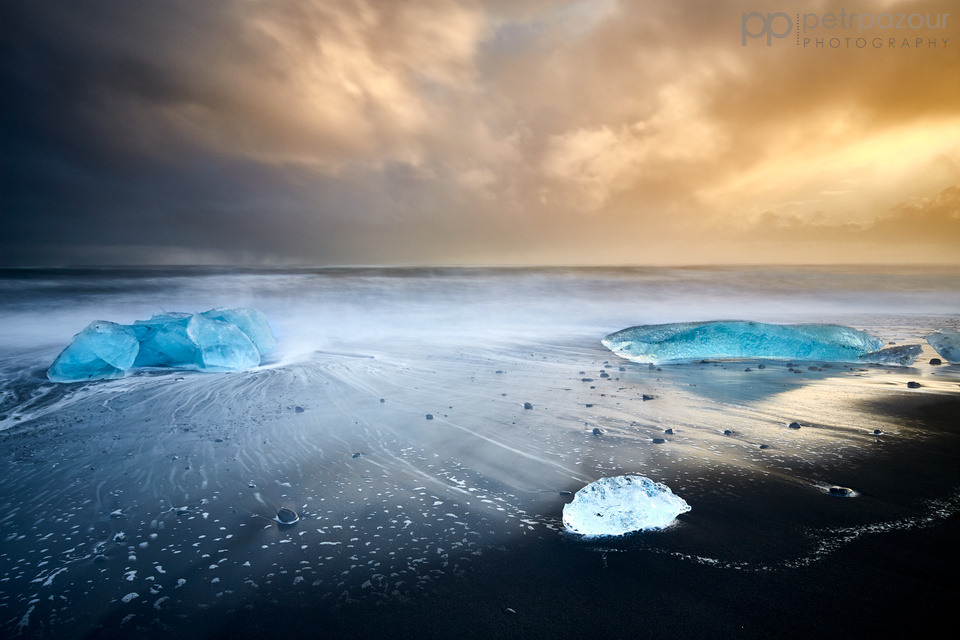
[251, 322]
[621, 504]
[164, 341]
[689, 341]
[221, 346]
[102, 350]
[901, 354]
[947, 344]
[215, 340]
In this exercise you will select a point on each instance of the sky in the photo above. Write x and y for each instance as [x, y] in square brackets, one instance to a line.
[500, 132]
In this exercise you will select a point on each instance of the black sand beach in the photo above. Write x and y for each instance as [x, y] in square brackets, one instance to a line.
[145, 507]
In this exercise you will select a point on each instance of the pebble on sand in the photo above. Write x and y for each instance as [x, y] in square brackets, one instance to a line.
[287, 516]
[794, 425]
[913, 385]
[527, 405]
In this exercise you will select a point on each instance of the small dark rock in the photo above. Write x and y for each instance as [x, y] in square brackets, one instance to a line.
[586, 379]
[761, 366]
[429, 416]
[913, 385]
[877, 432]
[383, 399]
[794, 425]
[298, 409]
[588, 405]
[604, 374]
[646, 397]
[527, 405]
[356, 455]
[597, 431]
[669, 432]
[727, 432]
[748, 369]
[623, 368]
[936, 361]
[287, 516]
[764, 446]
[498, 371]
[218, 440]
[658, 441]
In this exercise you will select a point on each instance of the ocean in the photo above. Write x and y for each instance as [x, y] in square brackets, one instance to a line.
[392, 419]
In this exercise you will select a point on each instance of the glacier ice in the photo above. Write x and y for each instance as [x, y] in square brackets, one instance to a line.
[947, 344]
[621, 504]
[903, 354]
[164, 341]
[215, 340]
[251, 321]
[221, 346]
[687, 341]
[102, 350]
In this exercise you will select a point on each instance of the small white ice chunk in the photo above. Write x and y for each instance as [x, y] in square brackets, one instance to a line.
[621, 504]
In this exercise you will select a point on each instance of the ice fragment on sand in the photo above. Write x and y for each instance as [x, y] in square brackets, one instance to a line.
[221, 346]
[902, 354]
[164, 341]
[215, 340]
[102, 350]
[691, 341]
[621, 504]
[251, 322]
[947, 344]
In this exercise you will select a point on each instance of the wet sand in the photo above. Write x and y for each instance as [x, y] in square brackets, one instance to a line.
[143, 507]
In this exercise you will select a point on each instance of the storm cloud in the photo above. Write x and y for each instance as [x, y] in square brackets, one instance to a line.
[430, 132]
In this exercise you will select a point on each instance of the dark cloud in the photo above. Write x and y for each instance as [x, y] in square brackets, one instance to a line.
[438, 131]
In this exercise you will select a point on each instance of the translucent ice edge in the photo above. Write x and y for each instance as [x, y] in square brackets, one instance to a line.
[690, 341]
[947, 343]
[215, 340]
[621, 504]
